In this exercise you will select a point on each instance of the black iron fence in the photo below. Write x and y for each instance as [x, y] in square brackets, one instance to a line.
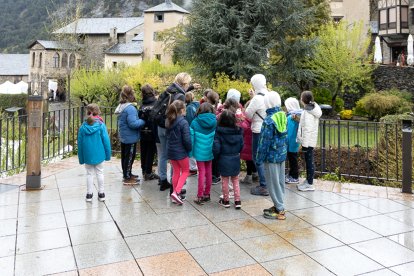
[361, 150]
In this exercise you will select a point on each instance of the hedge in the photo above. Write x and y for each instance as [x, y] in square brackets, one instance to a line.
[7, 100]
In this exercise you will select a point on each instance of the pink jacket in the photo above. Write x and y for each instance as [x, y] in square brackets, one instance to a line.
[246, 153]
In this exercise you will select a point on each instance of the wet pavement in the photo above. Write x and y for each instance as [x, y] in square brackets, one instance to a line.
[340, 229]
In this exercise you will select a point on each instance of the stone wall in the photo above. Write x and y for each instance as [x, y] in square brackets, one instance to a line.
[388, 77]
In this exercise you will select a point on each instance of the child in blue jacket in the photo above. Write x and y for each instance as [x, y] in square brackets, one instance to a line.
[191, 112]
[93, 148]
[293, 117]
[271, 151]
[202, 130]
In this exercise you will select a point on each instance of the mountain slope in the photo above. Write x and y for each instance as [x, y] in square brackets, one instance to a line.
[23, 21]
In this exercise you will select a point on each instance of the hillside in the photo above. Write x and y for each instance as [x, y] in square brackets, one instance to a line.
[23, 21]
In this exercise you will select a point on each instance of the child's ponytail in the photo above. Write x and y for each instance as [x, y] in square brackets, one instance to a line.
[173, 111]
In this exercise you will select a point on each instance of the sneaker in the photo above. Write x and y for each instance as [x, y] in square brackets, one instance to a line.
[255, 177]
[165, 185]
[176, 198]
[287, 177]
[101, 196]
[280, 215]
[199, 201]
[89, 197]
[305, 187]
[269, 210]
[237, 205]
[259, 190]
[206, 198]
[135, 176]
[247, 180]
[224, 203]
[193, 172]
[216, 180]
[183, 192]
[182, 196]
[292, 180]
[231, 195]
[130, 181]
[150, 176]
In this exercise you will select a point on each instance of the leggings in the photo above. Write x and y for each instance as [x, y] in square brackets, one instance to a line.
[251, 167]
[128, 154]
[181, 170]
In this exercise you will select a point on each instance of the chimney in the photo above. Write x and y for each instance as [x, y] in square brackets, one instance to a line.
[113, 35]
[168, 2]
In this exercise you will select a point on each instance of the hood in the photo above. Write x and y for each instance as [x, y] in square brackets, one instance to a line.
[175, 88]
[234, 94]
[280, 120]
[272, 99]
[292, 105]
[91, 129]
[207, 121]
[258, 82]
[121, 107]
[228, 134]
[195, 104]
[314, 109]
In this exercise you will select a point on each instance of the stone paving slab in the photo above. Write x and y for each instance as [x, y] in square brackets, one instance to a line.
[340, 229]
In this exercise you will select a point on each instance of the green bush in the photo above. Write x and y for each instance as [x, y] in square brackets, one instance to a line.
[6, 101]
[322, 95]
[378, 104]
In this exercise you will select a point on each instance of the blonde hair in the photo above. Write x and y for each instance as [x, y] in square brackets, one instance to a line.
[182, 79]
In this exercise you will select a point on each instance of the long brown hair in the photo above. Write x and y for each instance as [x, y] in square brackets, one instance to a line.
[205, 108]
[173, 111]
[127, 95]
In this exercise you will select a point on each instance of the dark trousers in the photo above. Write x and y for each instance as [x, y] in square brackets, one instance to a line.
[310, 168]
[148, 150]
[128, 154]
[251, 167]
[215, 168]
[293, 164]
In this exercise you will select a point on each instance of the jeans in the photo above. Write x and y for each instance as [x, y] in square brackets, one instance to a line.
[204, 178]
[91, 170]
[181, 170]
[293, 164]
[275, 175]
[148, 150]
[128, 154]
[251, 168]
[162, 153]
[310, 168]
[259, 167]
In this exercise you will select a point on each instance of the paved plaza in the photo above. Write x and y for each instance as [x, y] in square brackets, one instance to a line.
[340, 229]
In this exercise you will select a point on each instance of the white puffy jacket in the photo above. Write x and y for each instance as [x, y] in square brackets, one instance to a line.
[256, 108]
[308, 126]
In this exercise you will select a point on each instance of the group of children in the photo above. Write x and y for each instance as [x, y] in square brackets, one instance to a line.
[210, 139]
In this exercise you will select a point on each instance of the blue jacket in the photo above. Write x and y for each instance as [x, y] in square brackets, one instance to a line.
[191, 111]
[93, 143]
[228, 143]
[272, 146]
[203, 129]
[128, 123]
[292, 132]
[178, 139]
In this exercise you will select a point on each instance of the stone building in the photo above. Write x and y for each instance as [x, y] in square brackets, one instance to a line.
[14, 68]
[352, 11]
[124, 53]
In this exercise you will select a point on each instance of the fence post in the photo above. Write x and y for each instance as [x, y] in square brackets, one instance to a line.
[323, 165]
[34, 142]
[407, 168]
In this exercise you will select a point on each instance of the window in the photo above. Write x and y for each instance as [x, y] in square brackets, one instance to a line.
[64, 60]
[33, 59]
[392, 18]
[383, 20]
[40, 60]
[56, 60]
[404, 17]
[114, 64]
[72, 61]
[158, 56]
[337, 19]
[159, 17]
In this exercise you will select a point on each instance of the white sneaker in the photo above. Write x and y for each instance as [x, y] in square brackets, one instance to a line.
[306, 187]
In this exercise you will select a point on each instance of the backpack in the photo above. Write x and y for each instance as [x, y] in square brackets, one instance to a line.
[147, 131]
[158, 112]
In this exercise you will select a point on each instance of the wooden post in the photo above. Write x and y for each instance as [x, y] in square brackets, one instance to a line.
[34, 142]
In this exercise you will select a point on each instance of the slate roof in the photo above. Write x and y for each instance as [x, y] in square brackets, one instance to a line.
[14, 64]
[168, 6]
[101, 25]
[53, 45]
[131, 48]
[139, 37]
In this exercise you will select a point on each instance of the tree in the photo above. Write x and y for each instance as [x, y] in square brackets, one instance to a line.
[340, 58]
[237, 37]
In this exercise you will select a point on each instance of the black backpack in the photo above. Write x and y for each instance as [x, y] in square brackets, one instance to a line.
[147, 131]
[158, 112]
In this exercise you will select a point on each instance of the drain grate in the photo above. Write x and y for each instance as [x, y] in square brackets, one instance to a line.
[7, 187]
